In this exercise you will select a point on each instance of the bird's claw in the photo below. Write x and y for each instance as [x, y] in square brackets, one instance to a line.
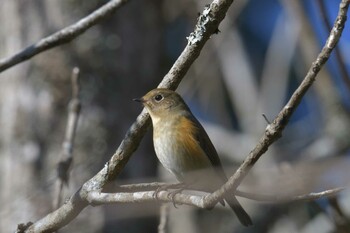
[155, 194]
[178, 189]
[172, 194]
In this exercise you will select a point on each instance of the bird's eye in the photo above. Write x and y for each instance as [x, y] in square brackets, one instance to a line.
[158, 97]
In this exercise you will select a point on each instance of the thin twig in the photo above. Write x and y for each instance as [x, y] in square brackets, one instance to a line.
[66, 160]
[63, 36]
[267, 120]
[277, 199]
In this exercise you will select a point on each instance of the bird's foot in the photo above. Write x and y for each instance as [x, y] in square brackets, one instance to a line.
[172, 194]
[179, 187]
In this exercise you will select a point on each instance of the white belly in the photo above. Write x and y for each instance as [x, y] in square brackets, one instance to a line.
[166, 152]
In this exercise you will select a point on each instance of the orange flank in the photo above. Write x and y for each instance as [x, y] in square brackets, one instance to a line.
[196, 156]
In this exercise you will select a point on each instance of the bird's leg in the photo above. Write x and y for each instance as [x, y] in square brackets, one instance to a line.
[179, 187]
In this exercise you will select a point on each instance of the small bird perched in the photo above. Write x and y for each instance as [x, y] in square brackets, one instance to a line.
[184, 148]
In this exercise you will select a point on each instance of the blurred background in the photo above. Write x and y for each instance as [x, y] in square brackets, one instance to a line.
[250, 68]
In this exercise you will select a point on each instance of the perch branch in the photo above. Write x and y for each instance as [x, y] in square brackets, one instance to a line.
[98, 198]
[252, 196]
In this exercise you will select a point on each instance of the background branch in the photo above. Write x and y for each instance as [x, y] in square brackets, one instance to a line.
[63, 167]
[63, 36]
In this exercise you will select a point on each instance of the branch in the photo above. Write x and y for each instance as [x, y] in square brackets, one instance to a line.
[98, 198]
[67, 147]
[63, 36]
[252, 196]
[207, 25]
[276, 199]
[274, 130]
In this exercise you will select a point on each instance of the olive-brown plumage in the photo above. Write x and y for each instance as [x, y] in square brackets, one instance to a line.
[184, 148]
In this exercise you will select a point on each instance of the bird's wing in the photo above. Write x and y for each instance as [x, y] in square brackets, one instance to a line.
[208, 147]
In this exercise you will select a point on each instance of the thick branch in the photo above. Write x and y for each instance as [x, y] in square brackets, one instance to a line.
[63, 36]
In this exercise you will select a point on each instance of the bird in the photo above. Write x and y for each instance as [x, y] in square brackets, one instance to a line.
[184, 148]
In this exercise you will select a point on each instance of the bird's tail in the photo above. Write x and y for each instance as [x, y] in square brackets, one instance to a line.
[238, 209]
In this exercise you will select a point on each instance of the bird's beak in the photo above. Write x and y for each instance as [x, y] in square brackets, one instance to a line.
[141, 100]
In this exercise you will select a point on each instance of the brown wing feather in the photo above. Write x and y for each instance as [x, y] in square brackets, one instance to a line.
[208, 147]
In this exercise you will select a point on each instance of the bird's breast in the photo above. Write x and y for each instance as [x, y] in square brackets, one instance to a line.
[177, 148]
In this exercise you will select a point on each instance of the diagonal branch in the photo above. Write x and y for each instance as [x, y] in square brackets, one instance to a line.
[274, 130]
[63, 36]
